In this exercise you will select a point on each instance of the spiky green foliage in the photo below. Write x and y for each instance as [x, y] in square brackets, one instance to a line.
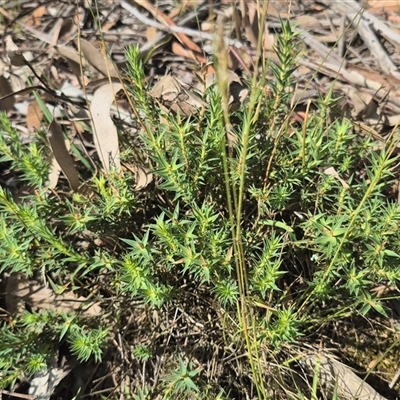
[286, 228]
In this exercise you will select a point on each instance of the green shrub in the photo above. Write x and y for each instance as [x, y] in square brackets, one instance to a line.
[262, 226]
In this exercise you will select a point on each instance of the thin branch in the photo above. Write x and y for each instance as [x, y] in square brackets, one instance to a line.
[177, 29]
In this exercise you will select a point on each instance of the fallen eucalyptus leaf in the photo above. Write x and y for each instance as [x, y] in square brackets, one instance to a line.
[97, 59]
[61, 154]
[21, 291]
[104, 130]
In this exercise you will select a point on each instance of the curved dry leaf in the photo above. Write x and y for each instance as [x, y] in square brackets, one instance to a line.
[61, 154]
[170, 94]
[143, 177]
[166, 86]
[182, 51]
[332, 172]
[21, 291]
[97, 59]
[337, 377]
[54, 172]
[93, 85]
[104, 130]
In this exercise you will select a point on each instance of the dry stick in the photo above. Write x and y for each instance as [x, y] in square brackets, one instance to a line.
[341, 43]
[377, 24]
[353, 78]
[396, 376]
[334, 66]
[177, 29]
[357, 16]
[166, 20]
[20, 395]
[326, 53]
[162, 37]
[335, 70]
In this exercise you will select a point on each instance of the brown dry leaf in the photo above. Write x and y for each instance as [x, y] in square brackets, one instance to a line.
[61, 154]
[151, 33]
[105, 132]
[35, 17]
[183, 39]
[6, 104]
[97, 59]
[34, 116]
[109, 25]
[39, 12]
[21, 291]
[383, 5]
[179, 50]
[332, 172]
[170, 94]
[379, 77]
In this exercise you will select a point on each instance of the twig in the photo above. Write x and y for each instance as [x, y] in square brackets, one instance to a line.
[378, 25]
[177, 29]
[361, 21]
[326, 53]
[396, 376]
[20, 395]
